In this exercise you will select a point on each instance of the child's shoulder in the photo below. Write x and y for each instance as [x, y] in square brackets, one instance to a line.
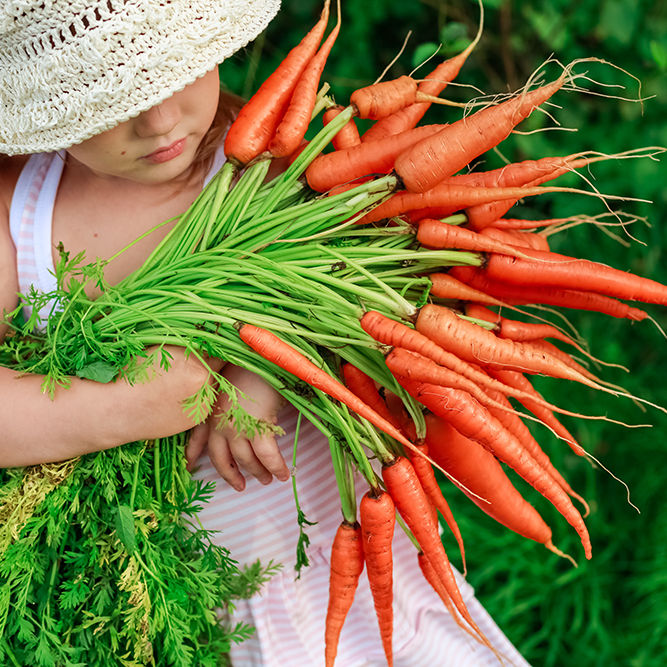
[10, 170]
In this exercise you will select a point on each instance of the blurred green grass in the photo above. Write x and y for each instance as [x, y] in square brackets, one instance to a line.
[613, 609]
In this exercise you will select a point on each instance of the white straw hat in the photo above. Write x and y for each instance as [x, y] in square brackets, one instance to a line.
[70, 69]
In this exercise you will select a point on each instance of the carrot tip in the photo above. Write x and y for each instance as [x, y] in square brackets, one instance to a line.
[550, 545]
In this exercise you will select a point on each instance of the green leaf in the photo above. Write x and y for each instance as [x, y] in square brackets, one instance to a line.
[124, 523]
[99, 371]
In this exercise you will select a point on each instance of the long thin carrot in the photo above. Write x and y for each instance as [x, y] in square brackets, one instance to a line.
[475, 344]
[513, 424]
[446, 286]
[292, 128]
[447, 198]
[413, 505]
[430, 485]
[473, 421]
[347, 564]
[476, 468]
[363, 386]
[331, 169]
[377, 516]
[567, 298]
[396, 334]
[560, 271]
[519, 381]
[272, 348]
[428, 162]
[384, 98]
[257, 121]
[436, 234]
[432, 84]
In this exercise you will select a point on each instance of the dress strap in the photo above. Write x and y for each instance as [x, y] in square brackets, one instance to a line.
[218, 160]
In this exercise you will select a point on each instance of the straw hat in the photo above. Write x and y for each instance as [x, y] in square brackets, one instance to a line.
[70, 69]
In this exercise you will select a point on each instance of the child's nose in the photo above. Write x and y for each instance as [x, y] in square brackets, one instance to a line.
[159, 120]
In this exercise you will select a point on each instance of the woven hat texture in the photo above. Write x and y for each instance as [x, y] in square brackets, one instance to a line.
[70, 69]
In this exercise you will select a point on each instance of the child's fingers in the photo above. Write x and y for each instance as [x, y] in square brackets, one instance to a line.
[266, 450]
[196, 443]
[223, 461]
[243, 453]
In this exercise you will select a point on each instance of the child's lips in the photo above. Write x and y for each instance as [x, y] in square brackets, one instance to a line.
[166, 153]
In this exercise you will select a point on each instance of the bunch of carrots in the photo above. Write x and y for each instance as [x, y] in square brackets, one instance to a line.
[390, 337]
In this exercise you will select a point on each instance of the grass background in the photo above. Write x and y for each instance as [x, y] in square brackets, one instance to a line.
[612, 610]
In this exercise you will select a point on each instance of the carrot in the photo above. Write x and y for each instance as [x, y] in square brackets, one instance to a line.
[363, 386]
[413, 366]
[348, 135]
[250, 133]
[482, 216]
[292, 128]
[549, 348]
[382, 99]
[432, 84]
[436, 234]
[395, 334]
[447, 198]
[473, 421]
[513, 424]
[524, 239]
[377, 516]
[519, 331]
[519, 381]
[397, 408]
[560, 271]
[445, 286]
[428, 162]
[567, 298]
[479, 471]
[477, 345]
[331, 169]
[347, 564]
[413, 505]
[430, 485]
[273, 349]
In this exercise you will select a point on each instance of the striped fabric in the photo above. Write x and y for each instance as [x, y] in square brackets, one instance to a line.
[260, 522]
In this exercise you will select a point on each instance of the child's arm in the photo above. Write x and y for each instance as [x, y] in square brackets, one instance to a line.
[89, 416]
[228, 449]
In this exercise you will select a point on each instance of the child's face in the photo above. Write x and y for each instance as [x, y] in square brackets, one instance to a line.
[159, 144]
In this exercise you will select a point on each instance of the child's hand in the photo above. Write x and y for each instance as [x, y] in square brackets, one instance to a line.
[229, 449]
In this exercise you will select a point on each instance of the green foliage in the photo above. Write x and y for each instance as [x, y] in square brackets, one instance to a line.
[610, 611]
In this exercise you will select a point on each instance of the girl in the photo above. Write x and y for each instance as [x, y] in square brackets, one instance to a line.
[118, 104]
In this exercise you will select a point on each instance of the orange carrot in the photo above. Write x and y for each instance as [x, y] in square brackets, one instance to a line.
[479, 471]
[513, 424]
[397, 408]
[413, 505]
[519, 381]
[445, 286]
[250, 133]
[331, 169]
[428, 162]
[273, 349]
[567, 298]
[432, 84]
[472, 343]
[348, 135]
[446, 198]
[347, 564]
[473, 421]
[436, 234]
[434, 493]
[292, 128]
[396, 334]
[363, 386]
[377, 516]
[559, 271]
[523, 239]
[382, 99]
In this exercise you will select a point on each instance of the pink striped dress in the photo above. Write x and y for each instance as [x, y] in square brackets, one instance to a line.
[260, 523]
